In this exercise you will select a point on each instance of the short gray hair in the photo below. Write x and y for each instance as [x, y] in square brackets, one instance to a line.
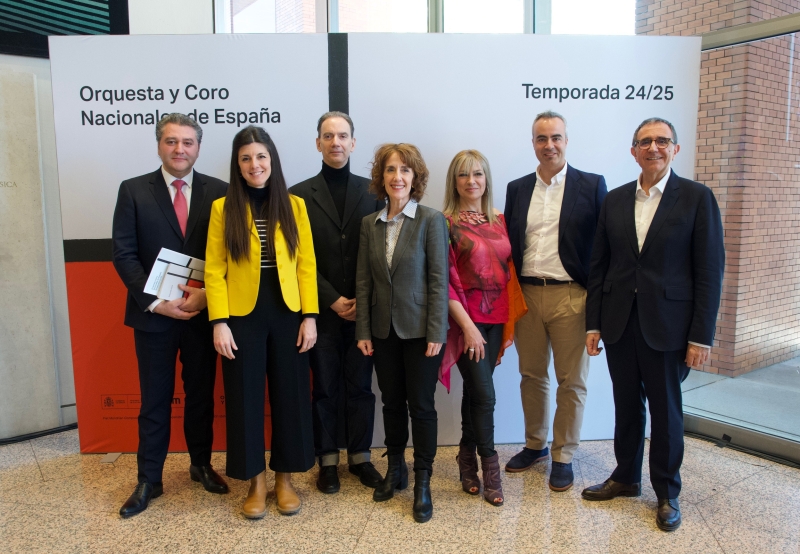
[178, 119]
[650, 121]
[330, 115]
[550, 114]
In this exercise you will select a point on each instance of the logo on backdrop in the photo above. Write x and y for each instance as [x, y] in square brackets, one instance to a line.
[129, 115]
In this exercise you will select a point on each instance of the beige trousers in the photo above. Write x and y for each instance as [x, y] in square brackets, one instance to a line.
[555, 320]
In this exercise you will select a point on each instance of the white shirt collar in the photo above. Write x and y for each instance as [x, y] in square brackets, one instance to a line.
[169, 178]
[558, 178]
[660, 185]
[410, 210]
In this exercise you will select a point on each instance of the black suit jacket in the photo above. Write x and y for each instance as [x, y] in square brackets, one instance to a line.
[144, 222]
[336, 240]
[676, 278]
[580, 208]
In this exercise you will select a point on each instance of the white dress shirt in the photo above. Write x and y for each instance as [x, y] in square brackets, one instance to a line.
[394, 225]
[540, 257]
[187, 192]
[645, 211]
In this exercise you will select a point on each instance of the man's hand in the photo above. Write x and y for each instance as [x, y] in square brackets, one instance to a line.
[345, 308]
[223, 340]
[307, 335]
[196, 301]
[696, 355]
[365, 346]
[175, 309]
[592, 342]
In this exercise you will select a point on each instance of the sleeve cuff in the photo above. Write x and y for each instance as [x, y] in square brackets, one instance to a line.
[593, 331]
[310, 316]
[220, 320]
[155, 303]
[700, 345]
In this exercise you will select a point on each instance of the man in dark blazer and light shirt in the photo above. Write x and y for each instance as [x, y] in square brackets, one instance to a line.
[168, 208]
[551, 216]
[337, 201]
[654, 290]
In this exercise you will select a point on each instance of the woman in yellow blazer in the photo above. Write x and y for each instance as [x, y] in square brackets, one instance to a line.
[261, 286]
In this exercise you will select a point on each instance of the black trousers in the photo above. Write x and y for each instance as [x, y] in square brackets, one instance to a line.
[478, 399]
[407, 379]
[337, 363]
[192, 342]
[639, 372]
[266, 339]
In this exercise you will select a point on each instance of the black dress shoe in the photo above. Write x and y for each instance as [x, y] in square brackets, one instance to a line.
[668, 517]
[210, 479]
[609, 489]
[367, 474]
[141, 497]
[328, 479]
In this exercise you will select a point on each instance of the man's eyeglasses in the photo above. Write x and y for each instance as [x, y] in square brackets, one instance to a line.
[645, 143]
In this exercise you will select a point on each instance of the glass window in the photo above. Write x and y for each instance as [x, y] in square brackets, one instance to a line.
[266, 16]
[479, 16]
[590, 17]
[388, 16]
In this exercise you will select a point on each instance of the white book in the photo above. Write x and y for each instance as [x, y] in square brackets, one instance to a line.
[170, 270]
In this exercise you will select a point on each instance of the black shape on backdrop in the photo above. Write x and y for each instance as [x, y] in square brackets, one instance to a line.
[26, 24]
[87, 250]
[338, 91]
[99, 250]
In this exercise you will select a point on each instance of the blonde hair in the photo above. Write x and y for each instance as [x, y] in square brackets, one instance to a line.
[464, 161]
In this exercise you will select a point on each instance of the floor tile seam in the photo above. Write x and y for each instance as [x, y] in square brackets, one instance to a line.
[710, 529]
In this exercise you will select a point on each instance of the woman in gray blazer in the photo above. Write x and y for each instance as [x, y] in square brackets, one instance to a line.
[405, 244]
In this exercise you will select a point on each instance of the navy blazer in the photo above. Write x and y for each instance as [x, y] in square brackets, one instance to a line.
[677, 277]
[336, 240]
[144, 222]
[580, 208]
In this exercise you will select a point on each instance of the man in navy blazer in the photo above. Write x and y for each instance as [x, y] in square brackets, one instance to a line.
[551, 216]
[654, 291]
[168, 208]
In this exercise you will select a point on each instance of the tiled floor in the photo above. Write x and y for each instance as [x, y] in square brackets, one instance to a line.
[52, 499]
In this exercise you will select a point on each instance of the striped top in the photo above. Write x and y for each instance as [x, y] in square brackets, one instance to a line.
[267, 254]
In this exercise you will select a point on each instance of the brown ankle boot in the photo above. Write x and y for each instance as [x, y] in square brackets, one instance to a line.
[467, 461]
[288, 501]
[492, 487]
[255, 505]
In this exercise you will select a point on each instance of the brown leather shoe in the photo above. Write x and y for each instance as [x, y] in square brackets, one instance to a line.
[255, 505]
[609, 489]
[668, 517]
[288, 501]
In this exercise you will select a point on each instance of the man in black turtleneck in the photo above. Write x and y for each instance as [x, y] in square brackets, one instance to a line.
[337, 201]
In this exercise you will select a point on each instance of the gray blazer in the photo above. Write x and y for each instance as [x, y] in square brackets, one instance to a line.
[417, 307]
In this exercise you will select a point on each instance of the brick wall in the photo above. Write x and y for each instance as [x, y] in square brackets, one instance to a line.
[747, 152]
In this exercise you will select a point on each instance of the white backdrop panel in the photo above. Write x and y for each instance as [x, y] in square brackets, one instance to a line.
[446, 92]
[287, 74]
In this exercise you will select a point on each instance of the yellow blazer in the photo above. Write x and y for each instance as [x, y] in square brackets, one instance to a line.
[232, 288]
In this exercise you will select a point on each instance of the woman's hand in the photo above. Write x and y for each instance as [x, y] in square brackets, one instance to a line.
[307, 336]
[473, 342]
[365, 346]
[433, 349]
[223, 340]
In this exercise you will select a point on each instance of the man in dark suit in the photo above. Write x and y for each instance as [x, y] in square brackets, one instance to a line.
[551, 216]
[168, 208]
[337, 201]
[654, 291]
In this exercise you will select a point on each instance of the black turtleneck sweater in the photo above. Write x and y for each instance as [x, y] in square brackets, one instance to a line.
[337, 184]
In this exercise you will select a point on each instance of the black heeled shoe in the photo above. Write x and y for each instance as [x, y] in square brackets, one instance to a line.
[423, 505]
[396, 479]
